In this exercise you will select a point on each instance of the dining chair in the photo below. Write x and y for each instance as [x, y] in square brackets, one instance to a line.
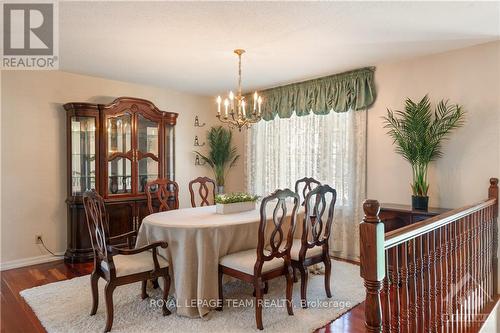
[309, 184]
[119, 266]
[313, 247]
[271, 257]
[203, 191]
[162, 194]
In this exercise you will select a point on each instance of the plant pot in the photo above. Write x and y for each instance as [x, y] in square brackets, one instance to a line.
[220, 189]
[419, 203]
[234, 207]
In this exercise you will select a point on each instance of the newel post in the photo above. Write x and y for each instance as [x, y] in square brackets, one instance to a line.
[493, 194]
[372, 257]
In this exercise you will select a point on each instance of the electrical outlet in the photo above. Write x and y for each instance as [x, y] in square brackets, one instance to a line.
[38, 239]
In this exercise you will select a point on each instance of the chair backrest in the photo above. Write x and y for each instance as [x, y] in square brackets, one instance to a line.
[279, 244]
[97, 223]
[305, 184]
[166, 192]
[316, 228]
[203, 191]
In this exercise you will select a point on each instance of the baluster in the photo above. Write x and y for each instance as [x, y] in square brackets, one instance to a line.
[445, 255]
[485, 258]
[420, 283]
[441, 279]
[459, 271]
[386, 296]
[465, 274]
[433, 291]
[468, 274]
[481, 260]
[462, 270]
[489, 258]
[493, 194]
[396, 282]
[452, 269]
[475, 268]
[412, 288]
[471, 268]
[426, 283]
[438, 247]
[405, 272]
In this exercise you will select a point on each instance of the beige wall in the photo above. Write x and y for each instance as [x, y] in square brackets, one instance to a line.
[33, 168]
[470, 77]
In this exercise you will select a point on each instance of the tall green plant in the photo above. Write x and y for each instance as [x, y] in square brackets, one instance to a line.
[221, 156]
[418, 133]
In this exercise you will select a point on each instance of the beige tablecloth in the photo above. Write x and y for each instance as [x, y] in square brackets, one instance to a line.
[197, 238]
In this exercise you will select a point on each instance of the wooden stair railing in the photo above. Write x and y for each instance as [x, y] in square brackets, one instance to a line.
[437, 275]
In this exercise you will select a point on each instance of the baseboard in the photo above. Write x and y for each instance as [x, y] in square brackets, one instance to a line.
[30, 261]
[340, 255]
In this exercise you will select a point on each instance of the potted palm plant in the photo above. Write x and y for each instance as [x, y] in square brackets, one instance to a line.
[221, 156]
[418, 132]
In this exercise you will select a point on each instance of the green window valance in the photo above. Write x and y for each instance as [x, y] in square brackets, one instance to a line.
[353, 90]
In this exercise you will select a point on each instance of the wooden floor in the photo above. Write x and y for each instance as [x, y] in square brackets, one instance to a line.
[17, 316]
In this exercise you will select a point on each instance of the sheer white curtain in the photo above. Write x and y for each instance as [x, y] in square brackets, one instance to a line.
[330, 148]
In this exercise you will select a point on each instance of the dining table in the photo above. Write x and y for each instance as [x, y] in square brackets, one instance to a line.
[197, 238]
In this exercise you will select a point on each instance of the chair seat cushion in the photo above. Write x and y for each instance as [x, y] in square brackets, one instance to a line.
[297, 244]
[134, 263]
[244, 261]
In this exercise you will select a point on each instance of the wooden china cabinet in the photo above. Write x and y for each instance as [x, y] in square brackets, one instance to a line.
[114, 149]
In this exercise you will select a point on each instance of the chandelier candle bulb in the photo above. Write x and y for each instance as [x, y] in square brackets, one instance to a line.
[218, 104]
[255, 96]
[226, 105]
[243, 109]
[259, 102]
[231, 99]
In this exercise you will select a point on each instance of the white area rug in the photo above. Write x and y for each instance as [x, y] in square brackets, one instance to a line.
[64, 306]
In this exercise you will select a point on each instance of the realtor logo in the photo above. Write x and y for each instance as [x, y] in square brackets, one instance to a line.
[29, 36]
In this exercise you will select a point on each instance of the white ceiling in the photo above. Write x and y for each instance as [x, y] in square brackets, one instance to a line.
[188, 46]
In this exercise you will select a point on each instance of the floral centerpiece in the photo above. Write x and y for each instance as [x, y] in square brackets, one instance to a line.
[234, 202]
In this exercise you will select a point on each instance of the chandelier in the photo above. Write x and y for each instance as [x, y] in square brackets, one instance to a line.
[237, 112]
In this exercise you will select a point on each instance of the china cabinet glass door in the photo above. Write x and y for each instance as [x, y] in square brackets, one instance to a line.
[120, 154]
[83, 154]
[148, 147]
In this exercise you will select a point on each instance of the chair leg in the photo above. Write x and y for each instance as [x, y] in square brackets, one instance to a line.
[328, 272]
[303, 285]
[258, 302]
[94, 279]
[295, 279]
[155, 283]
[220, 302]
[144, 295]
[166, 289]
[108, 292]
[289, 290]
